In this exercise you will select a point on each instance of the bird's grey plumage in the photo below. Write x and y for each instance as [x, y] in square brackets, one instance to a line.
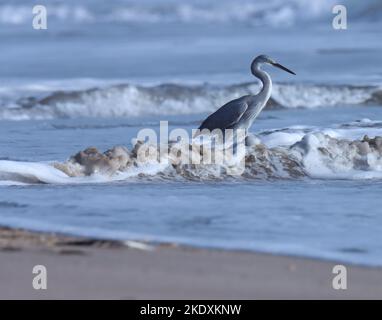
[228, 116]
[240, 113]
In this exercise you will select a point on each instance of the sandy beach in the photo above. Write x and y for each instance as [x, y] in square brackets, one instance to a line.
[82, 268]
[237, 142]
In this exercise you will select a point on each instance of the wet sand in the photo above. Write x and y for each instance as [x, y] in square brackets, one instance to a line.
[82, 268]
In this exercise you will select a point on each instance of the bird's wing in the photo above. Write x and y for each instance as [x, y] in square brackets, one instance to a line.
[226, 116]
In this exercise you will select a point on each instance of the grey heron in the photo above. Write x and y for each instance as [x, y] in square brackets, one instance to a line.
[240, 113]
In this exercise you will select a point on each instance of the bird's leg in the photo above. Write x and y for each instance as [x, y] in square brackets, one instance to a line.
[234, 142]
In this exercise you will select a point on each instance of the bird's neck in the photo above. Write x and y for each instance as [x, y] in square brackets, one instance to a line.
[266, 81]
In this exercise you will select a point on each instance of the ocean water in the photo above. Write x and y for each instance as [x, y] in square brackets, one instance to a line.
[102, 72]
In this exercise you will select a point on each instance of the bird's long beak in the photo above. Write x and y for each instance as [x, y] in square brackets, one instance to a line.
[282, 68]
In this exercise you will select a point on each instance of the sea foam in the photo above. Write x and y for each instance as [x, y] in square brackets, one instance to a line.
[316, 155]
[128, 100]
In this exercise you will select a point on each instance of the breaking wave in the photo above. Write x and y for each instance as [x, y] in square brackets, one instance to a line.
[127, 100]
[262, 12]
[316, 155]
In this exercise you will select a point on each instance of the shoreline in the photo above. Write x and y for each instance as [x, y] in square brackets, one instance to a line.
[88, 268]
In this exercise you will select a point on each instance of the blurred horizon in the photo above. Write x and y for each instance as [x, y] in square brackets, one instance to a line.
[270, 13]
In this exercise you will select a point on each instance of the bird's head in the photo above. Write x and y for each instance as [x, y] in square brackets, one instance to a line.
[264, 59]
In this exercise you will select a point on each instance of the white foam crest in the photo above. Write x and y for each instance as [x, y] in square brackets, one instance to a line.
[313, 96]
[30, 172]
[274, 13]
[325, 157]
[127, 100]
[25, 173]
[316, 155]
[22, 13]
[263, 12]
[288, 136]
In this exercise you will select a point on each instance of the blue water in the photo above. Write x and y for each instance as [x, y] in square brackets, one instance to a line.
[336, 219]
[322, 218]
[328, 219]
